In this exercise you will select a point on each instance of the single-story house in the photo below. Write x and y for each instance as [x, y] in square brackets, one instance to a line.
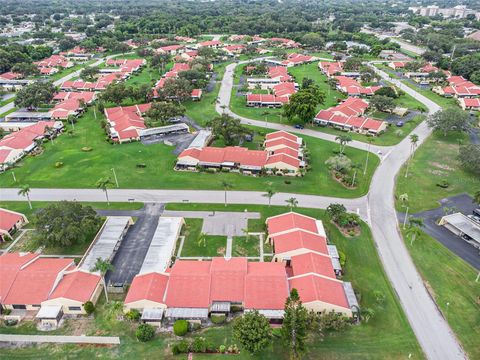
[10, 222]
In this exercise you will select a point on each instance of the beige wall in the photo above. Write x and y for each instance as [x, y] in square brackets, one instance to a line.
[319, 306]
[144, 304]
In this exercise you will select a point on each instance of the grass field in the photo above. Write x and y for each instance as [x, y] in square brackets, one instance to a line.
[83, 169]
[451, 282]
[194, 246]
[246, 246]
[434, 161]
[363, 268]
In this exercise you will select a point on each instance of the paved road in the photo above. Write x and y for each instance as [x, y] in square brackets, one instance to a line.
[60, 81]
[358, 205]
[58, 339]
[432, 330]
[132, 251]
[223, 102]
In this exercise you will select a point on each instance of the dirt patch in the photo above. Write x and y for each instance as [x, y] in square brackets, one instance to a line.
[437, 172]
[441, 166]
[341, 181]
[221, 251]
[350, 231]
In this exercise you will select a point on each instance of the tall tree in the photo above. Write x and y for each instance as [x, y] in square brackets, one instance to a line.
[450, 119]
[104, 184]
[229, 129]
[414, 228]
[226, 186]
[413, 144]
[476, 197]
[292, 203]
[25, 191]
[66, 223]
[103, 266]
[163, 111]
[252, 331]
[34, 95]
[303, 104]
[294, 327]
[343, 140]
[468, 156]
[269, 194]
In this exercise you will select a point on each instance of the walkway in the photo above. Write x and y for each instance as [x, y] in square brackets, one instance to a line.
[39, 339]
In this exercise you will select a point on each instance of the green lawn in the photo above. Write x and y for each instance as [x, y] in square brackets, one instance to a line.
[83, 169]
[193, 247]
[8, 101]
[440, 100]
[451, 281]
[363, 268]
[243, 246]
[434, 161]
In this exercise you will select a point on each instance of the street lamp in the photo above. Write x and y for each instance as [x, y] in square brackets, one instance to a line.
[115, 176]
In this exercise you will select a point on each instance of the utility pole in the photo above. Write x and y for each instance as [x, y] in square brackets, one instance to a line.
[406, 217]
[115, 176]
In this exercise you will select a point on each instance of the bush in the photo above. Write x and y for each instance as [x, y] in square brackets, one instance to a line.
[288, 182]
[145, 332]
[180, 327]
[7, 311]
[58, 164]
[181, 347]
[11, 322]
[193, 326]
[141, 166]
[199, 345]
[443, 184]
[222, 348]
[218, 319]
[89, 307]
[236, 308]
[133, 315]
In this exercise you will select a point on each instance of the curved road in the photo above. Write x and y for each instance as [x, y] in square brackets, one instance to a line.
[432, 331]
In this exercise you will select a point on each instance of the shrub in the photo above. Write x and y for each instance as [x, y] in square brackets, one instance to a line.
[145, 332]
[133, 315]
[193, 326]
[222, 348]
[7, 311]
[181, 347]
[218, 319]
[10, 322]
[141, 165]
[342, 258]
[58, 164]
[236, 308]
[89, 307]
[180, 327]
[199, 345]
[288, 182]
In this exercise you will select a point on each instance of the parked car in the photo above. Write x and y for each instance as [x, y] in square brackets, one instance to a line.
[400, 124]
[299, 126]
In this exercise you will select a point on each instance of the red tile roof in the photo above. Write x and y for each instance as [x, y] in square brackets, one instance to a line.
[266, 99]
[127, 120]
[284, 89]
[471, 103]
[77, 285]
[281, 134]
[151, 286]
[11, 76]
[9, 218]
[289, 222]
[299, 239]
[25, 137]
[239, 155]
[316, 288]
[312, 263]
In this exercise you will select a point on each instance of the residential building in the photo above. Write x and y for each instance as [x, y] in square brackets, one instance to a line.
[349, 116]
[282, 155]
[10, 222]
[351, 87]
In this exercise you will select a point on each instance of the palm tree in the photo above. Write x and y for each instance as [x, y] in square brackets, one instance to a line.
[103, 184]
[292, 202]
[48, 131]
[102, 266]
[343, 140]
[404, 200]
[266, 113]
[269, 194]
[413, 144]
[247, 233]
[202, 238]
[414, 230]
[226, 185]
[355, 168]
[25, 191]
[476, 197]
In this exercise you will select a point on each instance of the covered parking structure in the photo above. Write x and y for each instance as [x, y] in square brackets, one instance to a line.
[107, 241]
[163, 244]
[462, 226]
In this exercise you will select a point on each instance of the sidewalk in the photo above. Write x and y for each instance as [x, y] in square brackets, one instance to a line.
[103, 340]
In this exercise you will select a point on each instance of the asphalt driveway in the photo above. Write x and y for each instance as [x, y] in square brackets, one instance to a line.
[132, 251]
[462, 203]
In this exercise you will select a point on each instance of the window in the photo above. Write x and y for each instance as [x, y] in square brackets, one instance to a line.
[74, 308]
[36, 306]
[22, 307]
